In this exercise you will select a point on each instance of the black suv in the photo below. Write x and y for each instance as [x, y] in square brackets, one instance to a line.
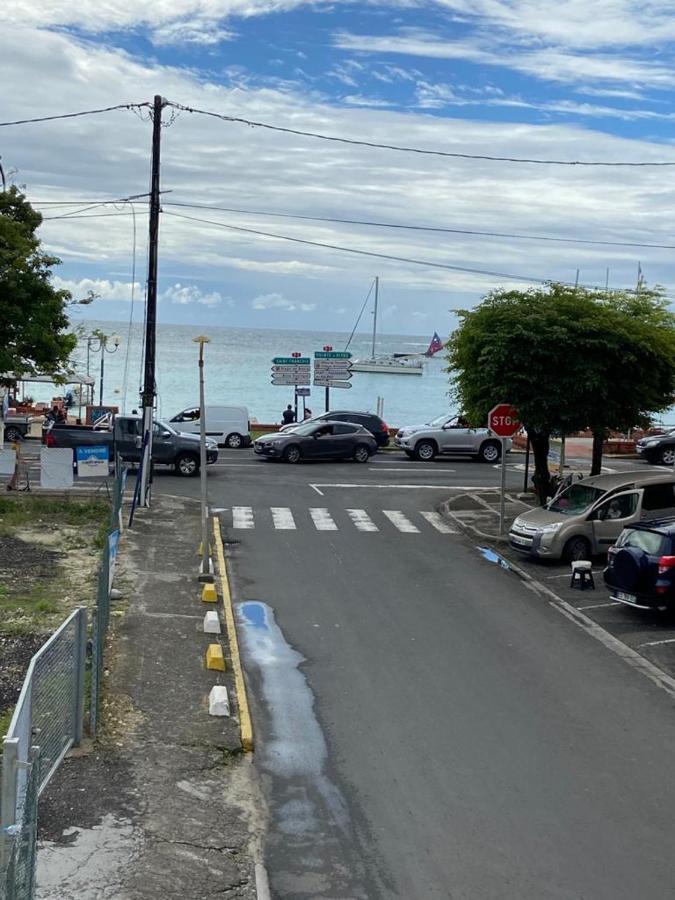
[372, 423]
[658, 448]
[641, 565]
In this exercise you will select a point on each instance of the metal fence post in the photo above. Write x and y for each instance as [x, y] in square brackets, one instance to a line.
[95, 672]
[8, 797]
[80, 663]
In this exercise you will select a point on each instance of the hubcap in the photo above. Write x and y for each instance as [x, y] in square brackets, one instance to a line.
[490, 453]
[234, 441]
[187, 466]
[361, 455]
[668, 457]
[426, 451]
[293, 454]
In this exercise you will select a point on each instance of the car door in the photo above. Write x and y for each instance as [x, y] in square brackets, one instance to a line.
[346, 438]
[324, 444]
[611, 516]
[455, 437]
[162, 444]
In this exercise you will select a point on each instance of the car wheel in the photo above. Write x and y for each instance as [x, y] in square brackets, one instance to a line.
[292, 454]
[577, 548]
[490, 452]
[667, 456]
[234, 441]
[12, 434]
[187, 465]
[425, 451]
[361, 453]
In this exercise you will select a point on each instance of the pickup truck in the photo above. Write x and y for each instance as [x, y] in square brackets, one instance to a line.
[169, 447]
[17, 427]
[449, 434]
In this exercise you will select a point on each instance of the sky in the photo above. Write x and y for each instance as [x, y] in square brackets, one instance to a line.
[565, 80]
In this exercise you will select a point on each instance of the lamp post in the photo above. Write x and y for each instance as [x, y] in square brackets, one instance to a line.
[205, 570]
[103, 348]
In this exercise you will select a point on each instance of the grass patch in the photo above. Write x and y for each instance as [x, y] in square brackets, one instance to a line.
[27, 511]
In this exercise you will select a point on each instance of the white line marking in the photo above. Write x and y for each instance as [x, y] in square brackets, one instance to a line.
[362, 520]
[656, 643]
[283, 518]
[400, 521]
[597, 572]
[438, 522]
[323, 521]
[242, 517]
[315, 488]
[412, 487]
[409, 469]
[599, 605]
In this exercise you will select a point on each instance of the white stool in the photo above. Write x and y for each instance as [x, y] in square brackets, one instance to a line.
[582, 575]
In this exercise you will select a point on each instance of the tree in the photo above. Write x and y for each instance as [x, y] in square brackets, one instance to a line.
[567, 359]
[34, 324]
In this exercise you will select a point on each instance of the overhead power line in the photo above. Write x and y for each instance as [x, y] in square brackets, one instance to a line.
[403, 149]
[75, 115]
[425, 228]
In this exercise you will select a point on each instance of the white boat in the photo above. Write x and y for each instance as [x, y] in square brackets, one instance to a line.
[386, 365]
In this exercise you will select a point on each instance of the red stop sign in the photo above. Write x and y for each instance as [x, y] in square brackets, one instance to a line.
[503, 420]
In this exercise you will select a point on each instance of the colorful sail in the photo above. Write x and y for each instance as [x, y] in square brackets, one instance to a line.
[435, 345]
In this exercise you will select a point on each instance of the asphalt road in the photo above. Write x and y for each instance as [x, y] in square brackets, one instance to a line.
[426, 726]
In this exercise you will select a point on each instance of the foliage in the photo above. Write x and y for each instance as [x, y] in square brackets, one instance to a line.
[34, 323]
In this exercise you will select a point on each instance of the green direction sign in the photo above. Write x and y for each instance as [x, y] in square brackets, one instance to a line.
[333, 354]
[290, 361]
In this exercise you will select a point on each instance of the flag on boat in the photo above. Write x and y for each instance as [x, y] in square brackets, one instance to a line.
[435, 345]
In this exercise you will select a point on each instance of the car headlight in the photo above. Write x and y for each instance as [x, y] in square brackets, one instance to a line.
[650, 443]
[549, 529]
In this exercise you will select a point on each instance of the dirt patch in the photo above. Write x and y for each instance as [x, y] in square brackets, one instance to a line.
[15, 654]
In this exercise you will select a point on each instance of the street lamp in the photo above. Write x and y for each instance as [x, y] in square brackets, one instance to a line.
[205, 572]
[103, 348]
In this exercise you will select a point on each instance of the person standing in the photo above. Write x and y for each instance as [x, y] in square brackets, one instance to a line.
[307, 414]
[288, 416]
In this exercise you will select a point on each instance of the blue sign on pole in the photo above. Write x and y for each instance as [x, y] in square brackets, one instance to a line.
[92, 461]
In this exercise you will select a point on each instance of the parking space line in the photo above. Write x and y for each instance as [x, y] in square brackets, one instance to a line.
[657, 643]
[600, 605]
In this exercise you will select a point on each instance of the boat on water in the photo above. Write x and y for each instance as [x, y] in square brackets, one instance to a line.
[435, 346]
[394, 364]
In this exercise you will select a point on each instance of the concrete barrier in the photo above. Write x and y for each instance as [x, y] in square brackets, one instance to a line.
[211, 622]
[219, 702]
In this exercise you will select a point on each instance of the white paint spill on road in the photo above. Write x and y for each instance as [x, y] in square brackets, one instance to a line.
[438, 522]
[282, 518]
[323, 521]
[362, 520]
[400, 521]
[242, 517]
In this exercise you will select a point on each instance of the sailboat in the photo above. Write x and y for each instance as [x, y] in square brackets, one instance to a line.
[435, 346]
[391, 365]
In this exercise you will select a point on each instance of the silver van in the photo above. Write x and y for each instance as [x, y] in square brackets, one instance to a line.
[586, 518]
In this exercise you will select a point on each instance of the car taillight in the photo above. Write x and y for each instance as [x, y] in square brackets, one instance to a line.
[666, 563]
[51, 440]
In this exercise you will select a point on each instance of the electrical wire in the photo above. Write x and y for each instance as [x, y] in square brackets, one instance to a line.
[425, 228]
[94, 216]
[75, 115]
[403, 149]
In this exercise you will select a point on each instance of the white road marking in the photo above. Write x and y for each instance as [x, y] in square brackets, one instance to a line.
[400, 521]
[283, 518]
[409, 469]
[410, 487]
[599, 605]
[242, 517]
[362, 520]
[315, 488]
[323, 521]
[438, 522]
[656, 643]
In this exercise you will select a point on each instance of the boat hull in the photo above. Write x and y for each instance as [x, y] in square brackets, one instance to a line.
[386, 368]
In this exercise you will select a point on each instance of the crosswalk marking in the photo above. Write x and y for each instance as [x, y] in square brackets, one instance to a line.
[438, 522]
[362, 520]
[323, 521]
[242, 517]
[283, 518]
[400, 521]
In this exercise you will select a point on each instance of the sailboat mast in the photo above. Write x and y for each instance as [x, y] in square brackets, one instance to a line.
[377, 288]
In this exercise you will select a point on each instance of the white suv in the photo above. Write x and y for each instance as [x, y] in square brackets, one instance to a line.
[449, 434]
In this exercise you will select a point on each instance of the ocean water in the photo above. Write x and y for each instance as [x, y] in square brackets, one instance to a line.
[237, 371]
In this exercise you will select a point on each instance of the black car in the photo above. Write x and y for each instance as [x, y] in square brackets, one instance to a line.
[372, 423]
[641, 565]
[658, 448]
[318, 440]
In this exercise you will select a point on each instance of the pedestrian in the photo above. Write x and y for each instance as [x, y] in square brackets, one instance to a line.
[307, 414]
[288, 416]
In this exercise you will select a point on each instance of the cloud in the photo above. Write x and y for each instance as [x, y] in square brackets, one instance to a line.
[102, 287]
[188, 294]
[278, 301]
[204, 32]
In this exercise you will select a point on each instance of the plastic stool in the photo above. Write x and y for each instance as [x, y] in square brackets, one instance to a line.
[582, 575]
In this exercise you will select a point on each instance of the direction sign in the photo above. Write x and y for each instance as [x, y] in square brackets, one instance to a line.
[302, 392]
[339, 384]
[291, 370]
[503, 420]
[332, 354]
[291, 361]
[289, 379]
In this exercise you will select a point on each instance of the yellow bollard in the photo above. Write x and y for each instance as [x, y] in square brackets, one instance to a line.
[215, 658]
[209, 593]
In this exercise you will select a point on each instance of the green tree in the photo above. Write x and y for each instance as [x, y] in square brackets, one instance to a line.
[34, 324]
[567, 359]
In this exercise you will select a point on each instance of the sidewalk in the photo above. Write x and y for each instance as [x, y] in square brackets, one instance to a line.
[165, 804]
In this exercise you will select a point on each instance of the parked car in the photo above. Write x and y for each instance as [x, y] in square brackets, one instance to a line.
[588, 516]
[228, 425]
[169, 447]
[641, 565]
[449, 434]
[658, 448]
[318, 440]
[17, 427]
[372, 423]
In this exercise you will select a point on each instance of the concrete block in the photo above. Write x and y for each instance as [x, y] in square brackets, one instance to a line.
[219, 702]
[211, 622]
[214, 658]
[209, 593]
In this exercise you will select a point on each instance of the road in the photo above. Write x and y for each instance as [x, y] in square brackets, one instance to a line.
[426, 726]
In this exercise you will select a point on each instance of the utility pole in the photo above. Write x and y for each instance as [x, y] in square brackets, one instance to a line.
[149, 392]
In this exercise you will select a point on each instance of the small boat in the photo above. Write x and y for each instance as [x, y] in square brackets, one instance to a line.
[395, 364]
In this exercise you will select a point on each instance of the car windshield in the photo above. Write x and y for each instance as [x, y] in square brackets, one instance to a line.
[165, 426]
[575, 499]
[440, 420]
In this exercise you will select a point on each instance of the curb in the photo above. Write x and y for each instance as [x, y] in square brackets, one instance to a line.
[245, 725]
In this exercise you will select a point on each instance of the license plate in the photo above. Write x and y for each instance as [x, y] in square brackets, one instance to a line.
[625, 598]
[525, 542]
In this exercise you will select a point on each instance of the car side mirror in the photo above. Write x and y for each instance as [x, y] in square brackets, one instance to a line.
[138, 441]
[166, 434]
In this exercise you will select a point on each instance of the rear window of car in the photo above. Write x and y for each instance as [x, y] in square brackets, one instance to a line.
[650, 541]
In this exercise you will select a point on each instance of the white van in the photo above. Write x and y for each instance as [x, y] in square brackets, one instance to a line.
[229, 425]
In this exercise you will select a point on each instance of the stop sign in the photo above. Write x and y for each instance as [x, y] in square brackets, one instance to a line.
[503, 420]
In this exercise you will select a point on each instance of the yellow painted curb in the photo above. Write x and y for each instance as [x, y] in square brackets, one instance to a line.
[209, 593]
[215, 658]
[245, 725]
[199, 549]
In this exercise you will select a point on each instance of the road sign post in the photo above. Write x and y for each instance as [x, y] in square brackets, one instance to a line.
[503, 421]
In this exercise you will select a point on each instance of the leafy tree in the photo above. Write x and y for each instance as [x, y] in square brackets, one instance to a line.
[33, 324]
[567, 359]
